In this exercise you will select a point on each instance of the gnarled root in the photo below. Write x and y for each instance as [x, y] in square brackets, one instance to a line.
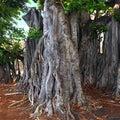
[38, 111]
[58, 104]
[69, 115]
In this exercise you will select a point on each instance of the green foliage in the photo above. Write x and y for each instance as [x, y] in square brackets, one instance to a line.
[99, 28]
[11, 8]
[1, 53]
[10, 48]
[40, 5]
[9, 11]
[9, 35]
[87, 5]
[116, 15]
[16, 34]
[72, 5]
[35, 33]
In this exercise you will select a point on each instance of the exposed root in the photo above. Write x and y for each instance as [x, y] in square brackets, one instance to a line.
[37, 118]
[117, 97]
[15, 93]
[21, 102]
[79, 116]
[70, 115]
[93, 115]
[55, 66]
[30, 93]
[58, 103]
[38, 111]
[30, 109]
[49, 110]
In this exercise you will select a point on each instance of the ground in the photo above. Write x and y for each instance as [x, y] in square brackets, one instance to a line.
[102, 106]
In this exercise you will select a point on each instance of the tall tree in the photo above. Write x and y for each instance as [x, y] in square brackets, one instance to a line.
[68, 53]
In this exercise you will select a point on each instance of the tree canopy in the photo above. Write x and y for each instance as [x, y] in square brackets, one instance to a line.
[10, 38]
[10, 35]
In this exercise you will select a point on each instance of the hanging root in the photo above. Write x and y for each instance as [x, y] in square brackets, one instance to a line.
[49, 110]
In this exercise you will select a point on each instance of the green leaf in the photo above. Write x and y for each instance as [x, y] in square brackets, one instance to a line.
[91, 10]
[1, 52]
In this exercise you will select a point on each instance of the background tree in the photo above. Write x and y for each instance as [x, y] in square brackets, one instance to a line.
[10, 37]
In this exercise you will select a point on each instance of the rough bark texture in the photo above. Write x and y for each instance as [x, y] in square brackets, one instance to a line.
[66, 56]
[33, 19]
[118, 75]
[101, 69]
[8, 72]
[52, 70]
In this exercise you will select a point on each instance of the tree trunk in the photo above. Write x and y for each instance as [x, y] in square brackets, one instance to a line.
[2, 75]
[101, 69]
[118, 75]
[7, 73]
[66, 56]
[54, 75]
[33, 19]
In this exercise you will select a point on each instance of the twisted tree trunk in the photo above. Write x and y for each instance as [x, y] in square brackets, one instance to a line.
[54, 75]
[60, 77]
[65, 56]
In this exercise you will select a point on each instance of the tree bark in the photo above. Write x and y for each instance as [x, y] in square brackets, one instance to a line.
[54, 75]
[101, 69]
[66, 56]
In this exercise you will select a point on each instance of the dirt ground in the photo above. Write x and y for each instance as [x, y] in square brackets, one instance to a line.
[102, 106]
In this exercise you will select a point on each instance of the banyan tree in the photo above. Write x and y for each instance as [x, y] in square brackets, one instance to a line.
[70, 54]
